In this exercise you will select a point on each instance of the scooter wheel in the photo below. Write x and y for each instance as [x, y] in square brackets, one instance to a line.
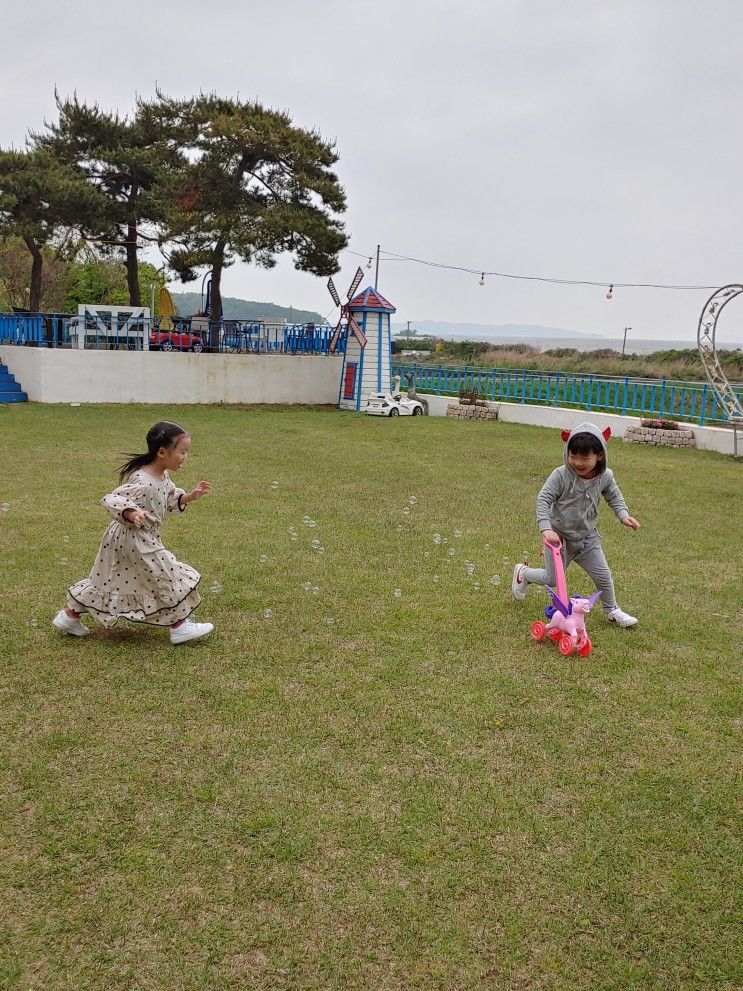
[538, 629]
[585, 648]
[565, 646]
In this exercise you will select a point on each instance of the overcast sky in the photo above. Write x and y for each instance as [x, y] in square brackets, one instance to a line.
[578, 140]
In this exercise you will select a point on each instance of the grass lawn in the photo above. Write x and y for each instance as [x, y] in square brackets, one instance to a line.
[358, 789]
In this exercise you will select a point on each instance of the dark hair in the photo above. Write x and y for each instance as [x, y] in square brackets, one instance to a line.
[585, 443]
[162, 434]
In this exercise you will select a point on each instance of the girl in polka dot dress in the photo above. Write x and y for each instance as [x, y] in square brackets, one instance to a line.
[134, 576]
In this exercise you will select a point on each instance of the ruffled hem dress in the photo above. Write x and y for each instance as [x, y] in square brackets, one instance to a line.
[134, 577]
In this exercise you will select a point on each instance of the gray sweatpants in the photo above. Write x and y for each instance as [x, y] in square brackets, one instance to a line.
[587, 554]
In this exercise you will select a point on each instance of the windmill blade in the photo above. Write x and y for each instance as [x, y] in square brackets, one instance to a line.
[356, 330]
[356, 282]
[334, 292]
[335, 338]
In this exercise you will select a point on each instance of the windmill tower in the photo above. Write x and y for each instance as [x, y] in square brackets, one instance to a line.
[367, 362]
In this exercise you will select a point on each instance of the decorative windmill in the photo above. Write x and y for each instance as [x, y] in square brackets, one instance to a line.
[367, 361]
[351, 324]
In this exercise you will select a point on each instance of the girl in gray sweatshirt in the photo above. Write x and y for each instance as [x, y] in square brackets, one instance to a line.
[567, 510]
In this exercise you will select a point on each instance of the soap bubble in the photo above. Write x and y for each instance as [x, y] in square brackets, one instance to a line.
[293, 536]
[437, 538]
[406, 510]
[487, 547]
[495, 580]
[34, 622]
[65, 560]
[216, 588]
[426, 553]
[263, 558]
[445, 540]
[274, 485]
[315, 589]
[321, 549]
[5, 507]
[435, 578]
[66, 538]
[457, 533]
[476, 586]
[306, 520]
[312, 523]
[307, 586]
[329, 620]
[291, 530]
[316, 543]
[451, 552]
[267, 613]
[506, 560]
[412, 500]
[470, 569]
[400, 527]
[397, 593]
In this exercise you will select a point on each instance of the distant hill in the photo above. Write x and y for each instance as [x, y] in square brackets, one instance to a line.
[506, 332]
[188, 303]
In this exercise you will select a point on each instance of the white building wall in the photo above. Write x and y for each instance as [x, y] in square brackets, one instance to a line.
[60, 375]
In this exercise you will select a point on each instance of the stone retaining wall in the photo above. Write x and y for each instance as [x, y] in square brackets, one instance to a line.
[459, 411]
[659, 437]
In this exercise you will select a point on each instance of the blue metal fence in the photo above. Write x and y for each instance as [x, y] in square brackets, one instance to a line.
[165, 334]
[659, 398]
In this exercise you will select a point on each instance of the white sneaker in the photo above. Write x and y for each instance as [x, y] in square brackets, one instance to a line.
[188, 630]
[621, 618]
[518, 583]
[70, 624]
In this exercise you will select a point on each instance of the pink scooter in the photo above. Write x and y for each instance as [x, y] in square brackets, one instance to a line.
[567, 624]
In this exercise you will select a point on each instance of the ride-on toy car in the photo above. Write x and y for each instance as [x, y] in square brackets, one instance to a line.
[171, 340]
[393, 404]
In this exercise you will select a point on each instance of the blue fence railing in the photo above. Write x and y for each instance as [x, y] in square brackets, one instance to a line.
[66, 330]
[692, 401]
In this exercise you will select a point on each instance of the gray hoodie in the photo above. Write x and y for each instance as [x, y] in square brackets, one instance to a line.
[568, 504]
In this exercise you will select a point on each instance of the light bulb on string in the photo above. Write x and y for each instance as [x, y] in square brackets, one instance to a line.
[482, 279]
[610, 294]
[368, 264]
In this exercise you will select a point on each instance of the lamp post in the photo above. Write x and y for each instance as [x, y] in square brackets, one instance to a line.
[624, 341]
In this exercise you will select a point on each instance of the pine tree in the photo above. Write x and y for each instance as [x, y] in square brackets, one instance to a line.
[122, 159]
[251, 185]
[41, 197]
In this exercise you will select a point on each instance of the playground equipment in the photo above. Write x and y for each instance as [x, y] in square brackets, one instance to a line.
[716, 377]
[566, 616]
[367, 362]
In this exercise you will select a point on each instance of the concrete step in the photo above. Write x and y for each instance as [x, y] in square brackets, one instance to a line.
[13, 397]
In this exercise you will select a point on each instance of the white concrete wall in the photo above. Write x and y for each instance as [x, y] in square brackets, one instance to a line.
[60, 375]
[707, 438]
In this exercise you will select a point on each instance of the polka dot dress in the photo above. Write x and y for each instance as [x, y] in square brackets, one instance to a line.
[134, 577]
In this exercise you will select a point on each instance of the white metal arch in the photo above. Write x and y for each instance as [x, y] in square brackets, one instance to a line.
[716, 377]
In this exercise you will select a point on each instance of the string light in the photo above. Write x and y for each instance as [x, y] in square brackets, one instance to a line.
[368, 264]
[610, 294]
[482, 279]
[392, 256]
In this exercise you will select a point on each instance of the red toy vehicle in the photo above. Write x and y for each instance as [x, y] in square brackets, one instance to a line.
[171, 340]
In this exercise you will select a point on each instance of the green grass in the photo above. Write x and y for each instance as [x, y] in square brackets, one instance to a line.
[414, 797]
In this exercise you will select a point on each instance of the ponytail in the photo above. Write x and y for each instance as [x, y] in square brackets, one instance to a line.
[162, 434]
